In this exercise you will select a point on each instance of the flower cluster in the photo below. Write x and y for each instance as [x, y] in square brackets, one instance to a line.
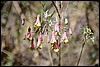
[88, 33]
[56, 36]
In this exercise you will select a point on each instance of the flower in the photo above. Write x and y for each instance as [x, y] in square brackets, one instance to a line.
[39, 43]
[23, 21]
[32, 43]
[57, 29]
[55, 46]
[64, 38]
[28, 34]
[37, 24]
[53, 40]
[70, 31]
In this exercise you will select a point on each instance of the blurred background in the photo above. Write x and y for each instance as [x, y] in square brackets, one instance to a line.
[15, 51]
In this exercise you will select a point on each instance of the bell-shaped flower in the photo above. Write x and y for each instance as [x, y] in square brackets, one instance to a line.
[70, 31]
[32, 43]
[55, 46]
[39, 43]
[64, 38]
[28, 33]
[37, 24]
[57, 29]
[53, 40]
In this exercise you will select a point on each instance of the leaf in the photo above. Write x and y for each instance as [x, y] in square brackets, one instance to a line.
[50, 15]
[44, 2]
[42, 12]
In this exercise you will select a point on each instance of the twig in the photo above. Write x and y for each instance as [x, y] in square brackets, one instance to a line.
[59, 64]
[81, 52]
[17, 7]
[56, 9]
[50, 55]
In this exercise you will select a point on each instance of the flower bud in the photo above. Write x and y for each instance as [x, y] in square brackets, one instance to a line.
[46, 14]
[23, 21]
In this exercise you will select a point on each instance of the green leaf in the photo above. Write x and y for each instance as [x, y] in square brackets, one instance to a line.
[50, 15]
[44, 2]
[42, 12]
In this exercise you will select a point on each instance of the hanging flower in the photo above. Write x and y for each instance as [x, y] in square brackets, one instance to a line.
[28, 34]
[55, 46]
[53, 40]
[39, 43]
[70, 31]
[32, 43]
[64, 38]
[37, 24]
[57, 29]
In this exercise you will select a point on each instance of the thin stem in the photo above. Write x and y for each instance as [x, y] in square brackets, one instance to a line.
[56, 9]
[81, 53]
[60, 55]
[50, 56]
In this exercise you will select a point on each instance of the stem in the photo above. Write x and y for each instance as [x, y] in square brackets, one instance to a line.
[81, 52]
[56, 9]
[60, 55]
[50, 56]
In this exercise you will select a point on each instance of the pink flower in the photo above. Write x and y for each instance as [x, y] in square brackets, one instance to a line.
[39, 41]
[29, 33]
[37, 24]
[53, 40]
[57, 29]
[64, 38]
[55, 46]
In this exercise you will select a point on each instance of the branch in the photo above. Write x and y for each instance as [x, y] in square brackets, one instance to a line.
[56, 9]
[81, 52]
[17, 7]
